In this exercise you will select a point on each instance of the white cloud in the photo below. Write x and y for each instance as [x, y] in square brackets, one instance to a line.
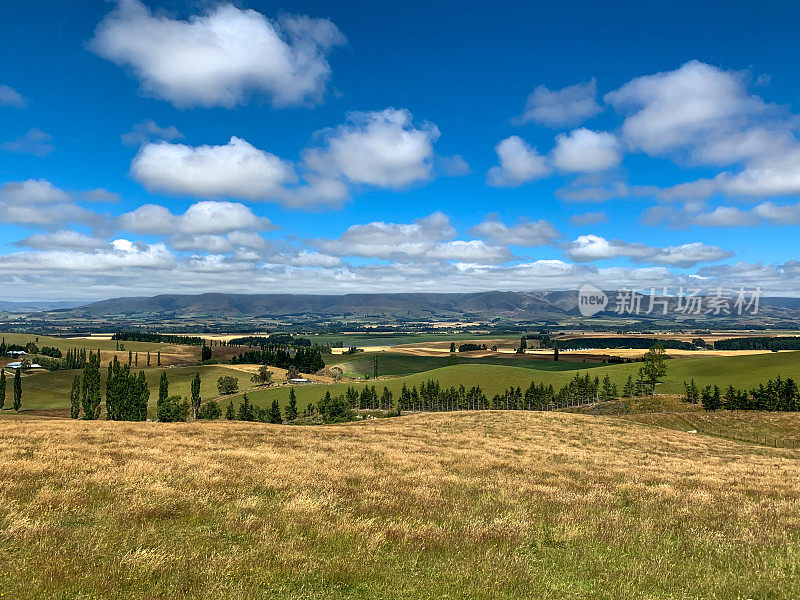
[384, 240]
[122, 256]
[35, 142]
[702, 115]
[525, 233]
[384, 149]
[583, 150]
[519, 163]
[587, 248]
[686, 107]
[221, 57]
[589, 218]
[63, 240]
[219, 244]
[11, 97]
[37, 202]
[149, 130]
[101, 195]
[205, 217]
[724, 216]
[452, 166]
[568, 106]
[472, 251]
[236, 170]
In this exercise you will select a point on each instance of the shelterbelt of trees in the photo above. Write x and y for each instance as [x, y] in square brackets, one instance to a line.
[306, 360]
[759, 343]
[777, 394]
[166, 338]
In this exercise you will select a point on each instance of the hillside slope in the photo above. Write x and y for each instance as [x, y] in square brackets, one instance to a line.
[475, 505]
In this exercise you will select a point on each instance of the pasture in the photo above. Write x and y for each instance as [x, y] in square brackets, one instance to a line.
[482, 505]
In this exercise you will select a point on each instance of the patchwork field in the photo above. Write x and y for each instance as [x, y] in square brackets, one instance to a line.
[740, 371]
[470, 505]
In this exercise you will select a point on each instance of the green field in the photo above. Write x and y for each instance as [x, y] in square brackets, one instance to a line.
[395, 339]
[395, 363]
[739, 371]
[50, 390]
[65, 344]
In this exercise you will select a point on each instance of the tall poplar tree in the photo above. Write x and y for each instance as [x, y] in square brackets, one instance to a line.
[17, 390]
[2, 387]
[291, 408]
[196, 394]
[75, 398]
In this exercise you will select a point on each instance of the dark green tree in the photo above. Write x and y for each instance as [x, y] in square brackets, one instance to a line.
[205, 353]
[627, 389]
[90, 390]
[452, 346]
[74, 397]
[163, 387]
[17, 390]
[210, 410]
[158, 360]
[230, 413]
[291, 408]
[246, 410]
[274, 413]
[655, 366]
[2, 386]
[196, 394]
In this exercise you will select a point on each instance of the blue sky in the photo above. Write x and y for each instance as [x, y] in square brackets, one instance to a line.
[190, 146]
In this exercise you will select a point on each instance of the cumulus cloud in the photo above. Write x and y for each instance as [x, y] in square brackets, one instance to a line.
[149, 130]
[470, 251]
[122, 256]
[384, 240]
[384, 149]
[589, 218]
[683, 108]
[524, 233]
[702, 115]
[63, 240]
[568, 106]
[588, 248]
[221, 57]
[205, 217]
[11, 97]
[519, 164]
[35, 142]
[583, 150]
[101, 195]
[38, 203]
[236, 170]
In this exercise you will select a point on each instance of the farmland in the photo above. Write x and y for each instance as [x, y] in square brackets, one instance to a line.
[627, 498]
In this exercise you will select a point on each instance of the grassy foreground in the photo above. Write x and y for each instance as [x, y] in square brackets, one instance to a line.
[467, 505]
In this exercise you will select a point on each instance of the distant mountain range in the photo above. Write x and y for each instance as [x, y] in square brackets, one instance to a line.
[482, 306]
[35, 306]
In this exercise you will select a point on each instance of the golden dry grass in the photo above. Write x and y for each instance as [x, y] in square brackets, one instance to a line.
[466, 505]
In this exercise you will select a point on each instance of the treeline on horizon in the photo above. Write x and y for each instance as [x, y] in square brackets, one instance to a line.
[166, 338]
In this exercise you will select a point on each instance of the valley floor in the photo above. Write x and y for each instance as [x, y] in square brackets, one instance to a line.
[458, 505]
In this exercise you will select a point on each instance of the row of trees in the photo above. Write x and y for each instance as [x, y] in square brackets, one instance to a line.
[759, 343]
[777, 394]
[144, 336]
[307, 360]
[17, 401]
